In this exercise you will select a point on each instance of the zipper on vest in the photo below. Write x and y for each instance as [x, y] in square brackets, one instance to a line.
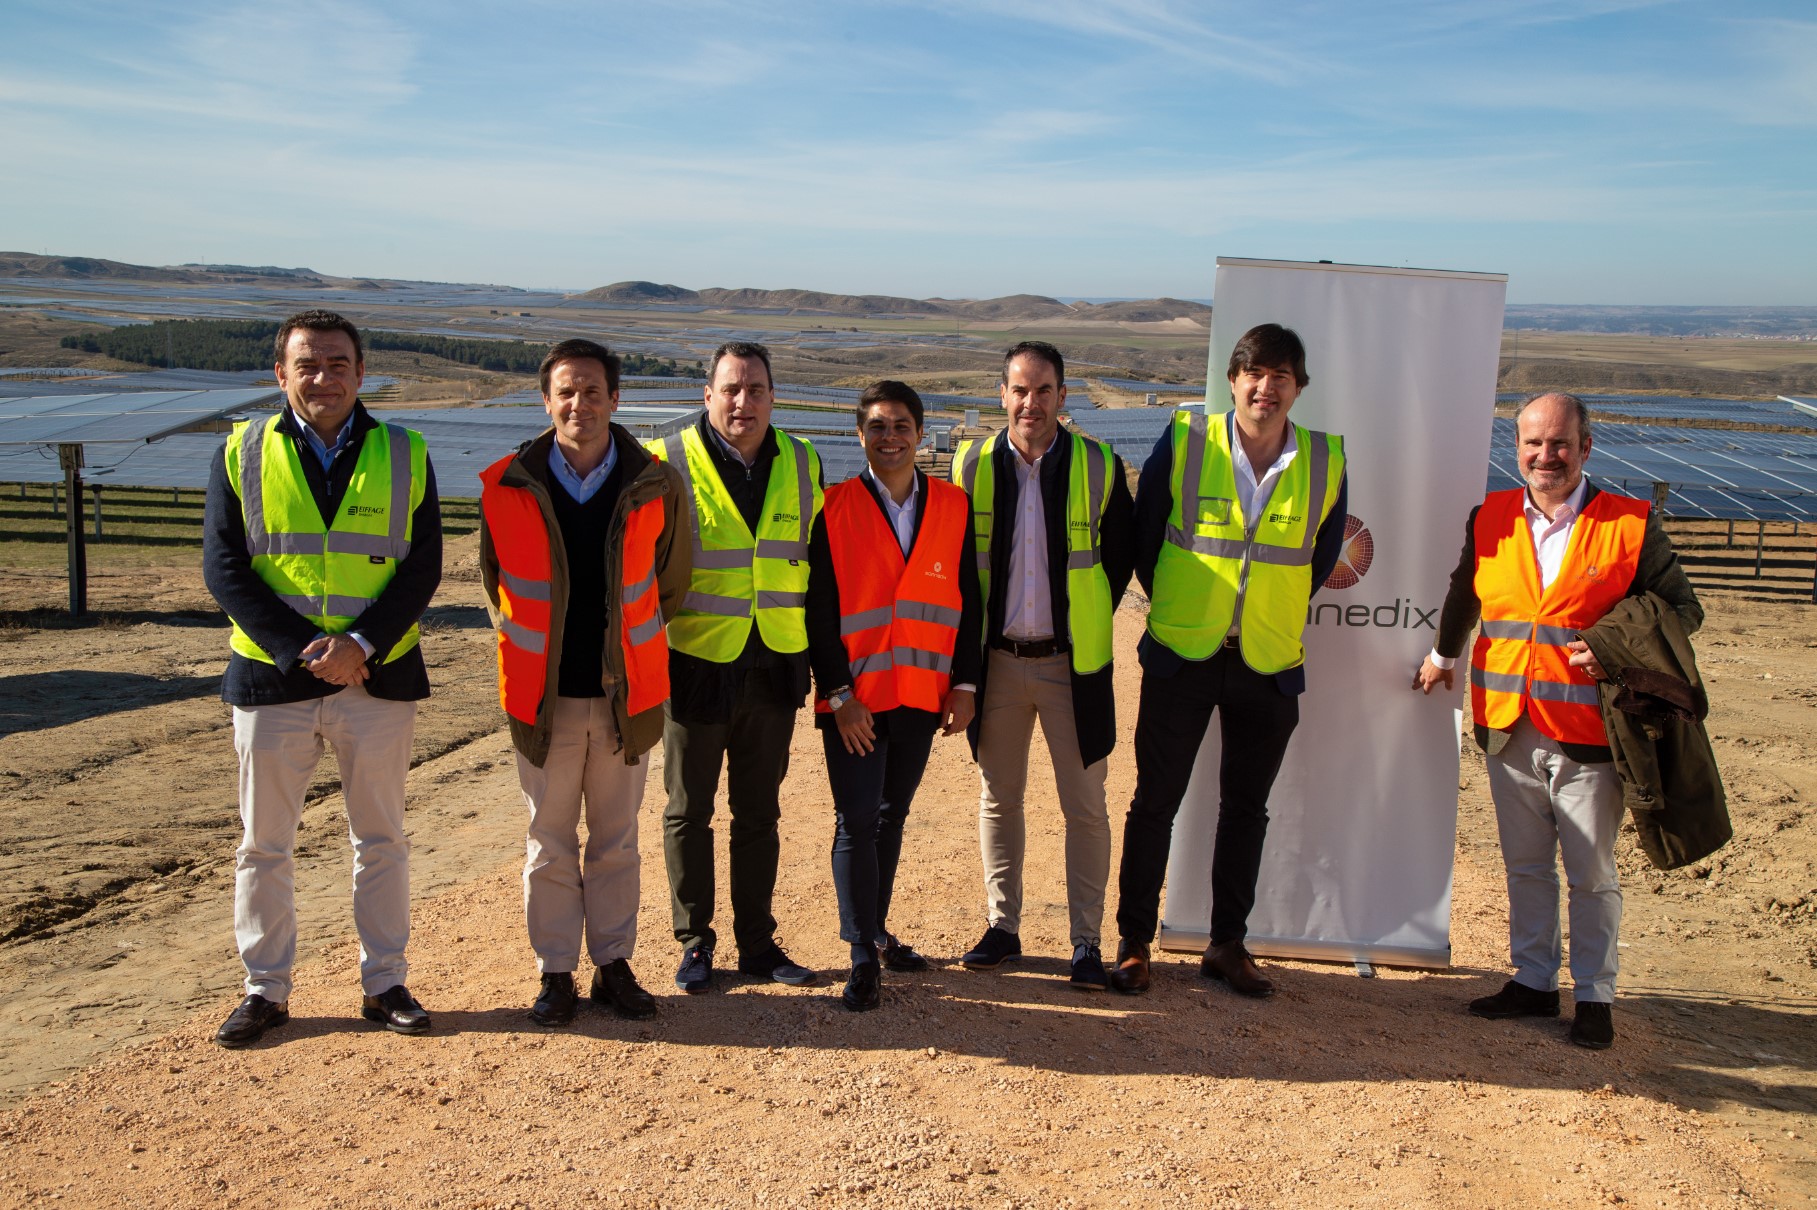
[1236, 614]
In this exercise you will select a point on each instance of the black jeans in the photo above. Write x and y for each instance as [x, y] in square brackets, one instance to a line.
[871, 797]
[1256, 720]
[753, 748]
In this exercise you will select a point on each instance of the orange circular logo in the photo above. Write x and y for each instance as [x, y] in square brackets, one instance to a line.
[1355, 557]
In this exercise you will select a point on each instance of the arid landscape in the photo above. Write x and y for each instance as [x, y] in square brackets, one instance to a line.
[116, 951]
[116, 780]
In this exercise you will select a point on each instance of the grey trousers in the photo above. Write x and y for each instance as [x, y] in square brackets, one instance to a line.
[562, 898]
[279, 747]
[1547, 804]
[1017, 692]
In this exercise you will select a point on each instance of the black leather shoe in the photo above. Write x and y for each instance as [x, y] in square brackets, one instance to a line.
[1088, 968]
[774, 964]
[1131, 975]
[863, 988]
[898, 955]
[996, 947]
[253, 1017]
[397, 1010]
[1230, 963]
[1516, 1000]
[1594, 1025]
[695, 974]
[616, 989]
[556, 1002]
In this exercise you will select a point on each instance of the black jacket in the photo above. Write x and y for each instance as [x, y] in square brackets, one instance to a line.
[1653, 707]
[1094, 694]
[1658, 571]
[280, 631]
[826, 651]
[1154, 505]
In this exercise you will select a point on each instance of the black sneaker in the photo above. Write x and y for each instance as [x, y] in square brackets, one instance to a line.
[1594, 1025]
[556, 1002]
[695, 974]
[253, 1016]
[996, 947]
[1088, 969]
[616, 990]
[1516, 1000]
[774, 964]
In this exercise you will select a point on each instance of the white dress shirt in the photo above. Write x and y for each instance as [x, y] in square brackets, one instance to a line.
[1551, 538]
[901, 516]
[1253, 494]
[1028, 607]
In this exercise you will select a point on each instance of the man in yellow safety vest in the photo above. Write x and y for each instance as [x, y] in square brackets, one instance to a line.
[738, 668]
[322, 542]
[1239, 520]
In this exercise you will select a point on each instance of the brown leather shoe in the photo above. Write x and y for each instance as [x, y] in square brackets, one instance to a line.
[1131, 975]
[1231, 963]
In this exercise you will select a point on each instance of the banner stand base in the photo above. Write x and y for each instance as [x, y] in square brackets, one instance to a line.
[1357, 953]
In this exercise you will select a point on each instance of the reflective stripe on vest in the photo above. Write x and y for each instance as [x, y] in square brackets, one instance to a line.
[521, 541]
[1088, 606]
[899, 618]
[1519, 664]
[739, 577]
[1215, 571]
[328, 574]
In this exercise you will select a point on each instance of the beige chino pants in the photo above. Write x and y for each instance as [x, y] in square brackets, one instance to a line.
[1018, 692]
[279, 747]
[584, 773]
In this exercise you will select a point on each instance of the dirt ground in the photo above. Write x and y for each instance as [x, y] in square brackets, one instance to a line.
[117, 962]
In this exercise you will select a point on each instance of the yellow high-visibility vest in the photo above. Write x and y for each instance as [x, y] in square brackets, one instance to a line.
[1214, 571]
[740, 577]
[1088, 603]
[327, 573]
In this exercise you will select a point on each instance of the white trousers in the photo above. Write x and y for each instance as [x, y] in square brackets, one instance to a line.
[586, 766]
[279, 747]
[1017, 692]
[1547, 804]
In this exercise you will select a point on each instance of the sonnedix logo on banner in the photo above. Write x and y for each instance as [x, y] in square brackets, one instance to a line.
[1353, 564]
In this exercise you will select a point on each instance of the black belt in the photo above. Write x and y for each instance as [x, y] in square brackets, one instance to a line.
[1028, 649]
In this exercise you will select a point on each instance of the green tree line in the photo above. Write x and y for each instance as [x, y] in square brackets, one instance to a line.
[241, 344]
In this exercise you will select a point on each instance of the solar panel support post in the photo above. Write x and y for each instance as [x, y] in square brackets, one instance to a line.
[70, 458]
[1760, 541]
[95, 490]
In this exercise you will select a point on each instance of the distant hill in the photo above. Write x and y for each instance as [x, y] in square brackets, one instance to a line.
[1016, 307]
[92, 268]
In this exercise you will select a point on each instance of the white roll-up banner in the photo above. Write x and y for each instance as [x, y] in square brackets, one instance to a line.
[1363, 818]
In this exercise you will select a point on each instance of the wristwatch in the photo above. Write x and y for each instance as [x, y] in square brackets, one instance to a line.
[839, 697]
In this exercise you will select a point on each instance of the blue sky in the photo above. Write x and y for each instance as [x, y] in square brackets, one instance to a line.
[1597, 151]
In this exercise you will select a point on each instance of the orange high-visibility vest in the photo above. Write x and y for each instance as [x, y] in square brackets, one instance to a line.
[520, 538]
[1519, 663]
[898, 618]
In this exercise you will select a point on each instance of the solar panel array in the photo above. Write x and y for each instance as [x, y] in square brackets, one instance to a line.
[1160, 388]
[116, 417]
[1712, 472]
[1682, 407]
[151, 380]
[1131, 432]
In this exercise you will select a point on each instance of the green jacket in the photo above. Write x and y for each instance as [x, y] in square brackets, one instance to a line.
[1653, 707]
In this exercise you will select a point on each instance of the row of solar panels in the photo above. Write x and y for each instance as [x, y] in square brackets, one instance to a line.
[23, 387]
[1782, 411]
